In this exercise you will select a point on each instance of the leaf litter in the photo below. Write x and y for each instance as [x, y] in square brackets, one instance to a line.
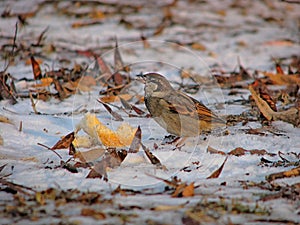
[261, 134]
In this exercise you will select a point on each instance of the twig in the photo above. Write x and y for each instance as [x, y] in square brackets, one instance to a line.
[21, 126]
[45, 146]
[13, 47]
[16, 187]
[33, 104]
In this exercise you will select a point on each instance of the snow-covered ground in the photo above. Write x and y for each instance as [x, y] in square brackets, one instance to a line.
[253, 31]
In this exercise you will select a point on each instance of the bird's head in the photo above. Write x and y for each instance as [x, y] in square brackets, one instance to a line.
[155, 83]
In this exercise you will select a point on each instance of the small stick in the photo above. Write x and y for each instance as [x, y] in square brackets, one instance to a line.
[21, 126]
[45, 146]
[32, 103]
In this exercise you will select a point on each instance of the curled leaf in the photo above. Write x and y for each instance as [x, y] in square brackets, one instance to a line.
[123, 136]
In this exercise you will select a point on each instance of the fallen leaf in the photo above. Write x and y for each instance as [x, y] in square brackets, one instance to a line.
[125, 104]
[215, 151]
[86, 83]
[65, 142]
[37, 73]
[168, 207]
[98, 215]
[4, 119]
[45, 82]
[146, 43]
[123, 136]
[90, 155]
[7, 87]
[188, 191]
[263, 92]
[291, 115]
[198, 46]
[282, 79]
[61, 91]
[290, 173]
[112, 159]
[217, 173]
[237, 152]
[115, 98]
[279, 43]
[153, 159]
[119, 65]
[136, 141]
[117, 116]
[105, 72]
[138, 110]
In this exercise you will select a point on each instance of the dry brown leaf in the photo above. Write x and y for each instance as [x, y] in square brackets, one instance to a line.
[279, 43]
[215, 151]
[59, 88]
[188, 191]
[282, 79]
[146, 43]
[119, 65]
[198, 46]
[86, 23]
[237, 152]
[116, 115]
[263, 91]
[37, 73]
[125, 104]
[168, 207]
[105, 71]
[115, 98]
[65, 142]
[98, 215]
[179, 189]
[291, 115]
[153, 159]
[90, 155]
[45, 82]
[4, 119]
[217, 173]
[112, 159]
[86, 83]
[136, 141]
[138, 110]
[290, 173]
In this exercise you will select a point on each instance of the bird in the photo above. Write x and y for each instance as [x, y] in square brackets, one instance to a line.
[178, 113]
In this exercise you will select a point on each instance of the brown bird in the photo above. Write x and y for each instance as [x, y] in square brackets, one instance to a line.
[176, 112]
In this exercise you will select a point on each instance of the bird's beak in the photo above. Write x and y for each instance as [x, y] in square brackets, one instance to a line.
[141, 77]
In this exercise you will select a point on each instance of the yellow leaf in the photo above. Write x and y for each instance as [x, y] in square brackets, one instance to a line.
[45, 82]
[93, 127]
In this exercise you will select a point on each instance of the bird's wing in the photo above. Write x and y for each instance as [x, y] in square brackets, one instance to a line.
[185, 105]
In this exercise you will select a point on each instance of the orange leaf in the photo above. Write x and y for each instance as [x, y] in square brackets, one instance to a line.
[114, 98]
[282, 79]
[65, 142]
[188, 191]
[37, 73]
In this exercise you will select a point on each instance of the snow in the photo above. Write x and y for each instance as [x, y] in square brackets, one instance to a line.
[33, 166]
